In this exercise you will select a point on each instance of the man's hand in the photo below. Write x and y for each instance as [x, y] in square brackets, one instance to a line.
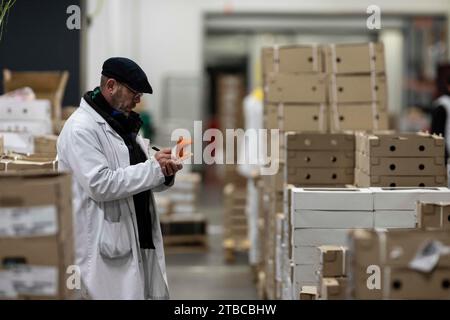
[168, 166]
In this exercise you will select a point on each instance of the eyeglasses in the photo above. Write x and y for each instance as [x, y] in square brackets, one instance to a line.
[136, 95]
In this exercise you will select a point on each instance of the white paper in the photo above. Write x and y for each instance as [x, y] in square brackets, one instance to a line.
[428, 255]
[18, 142]
[28, 221]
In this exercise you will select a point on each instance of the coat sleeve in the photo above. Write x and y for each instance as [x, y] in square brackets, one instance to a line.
[90, 168]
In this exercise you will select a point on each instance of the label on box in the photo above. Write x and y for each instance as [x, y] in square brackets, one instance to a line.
[29, 280]
[28, 221]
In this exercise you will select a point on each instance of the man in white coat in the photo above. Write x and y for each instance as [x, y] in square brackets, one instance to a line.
[118, 241]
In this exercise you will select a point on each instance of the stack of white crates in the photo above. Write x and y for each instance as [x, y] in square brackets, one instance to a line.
[325, 216]
[21, 120]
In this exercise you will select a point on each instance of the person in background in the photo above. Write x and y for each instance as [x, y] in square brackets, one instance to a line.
[440, 120]
[118, 241]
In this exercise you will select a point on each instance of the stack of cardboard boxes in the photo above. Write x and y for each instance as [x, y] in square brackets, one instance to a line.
[181, 223]
[235, 222]
[357, 86]
[323, 216]
[332, 272]
[398, 160]
[36, 236]
[434, 215]
[399, 264]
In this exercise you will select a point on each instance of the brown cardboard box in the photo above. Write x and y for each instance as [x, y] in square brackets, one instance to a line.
[333, 288]
[434, 215]
[308, 293]
[320, 159]
[45, 144]
[271, 116]
[363, 180]
[398, 166]
[303, 118]
[295, 88]
[393, 248]
[320, 141]
[67, 112]
[332, 260]
[403, 283]
[322, 176]
[357, 88]
[358, 117]
[354, 58]
[22, 165]
[390, 144]
[52, 249]
[292, 59]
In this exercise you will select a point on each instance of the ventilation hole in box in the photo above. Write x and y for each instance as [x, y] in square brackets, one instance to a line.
[392, 167]
[421, 148]
[307, 159]
[316, 118]
[334, 176]
[421, 167]
[314, 88]
[374, 58]
[310, 59]
[341, 118]
[422, 184]
[448, 218]
[377, 117]
[340, 89]
[392, 185]
[25, 110]
[308, 176]
[446, 284]
[333, 159]
[338, 60]
[392, 148]
[397, 284]
[376, 88]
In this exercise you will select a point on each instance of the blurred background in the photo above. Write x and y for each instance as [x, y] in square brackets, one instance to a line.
[203, 57]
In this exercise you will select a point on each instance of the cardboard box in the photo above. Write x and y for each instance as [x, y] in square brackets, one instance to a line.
[333, 288]
[395, 219]
[2, 148]
[308, 293]
[46, 144]
[271, 116]
[363, 180]
[320, 159]
[295, 88]
[354, 58]
[357, 88]
[358, 117]
[333, 219]
[23, 165]
[15, 109]
[41, 237]
[403, 283]
[434, 215]
[292, 59]
[303, 118]
[332, 260]
[393, 248]
[306, 274]
[400, 145]
[332, 199]
[406, 198]
[38, 127]
[400, 166]
[66, 112]
[18, 142]
[320, 141]
[317, 176]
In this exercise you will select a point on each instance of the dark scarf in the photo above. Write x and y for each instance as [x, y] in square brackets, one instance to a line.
[127, 128]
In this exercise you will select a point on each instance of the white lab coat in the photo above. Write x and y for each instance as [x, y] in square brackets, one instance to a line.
[106, 236]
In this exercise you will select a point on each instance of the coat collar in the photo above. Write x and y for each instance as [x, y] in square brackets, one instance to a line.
[86, 107]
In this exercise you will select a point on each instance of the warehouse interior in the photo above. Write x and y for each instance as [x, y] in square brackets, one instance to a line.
[337, 81]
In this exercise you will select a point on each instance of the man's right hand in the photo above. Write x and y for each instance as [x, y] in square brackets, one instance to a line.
[168, 166]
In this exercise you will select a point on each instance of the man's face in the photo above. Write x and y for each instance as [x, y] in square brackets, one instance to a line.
[124, 99]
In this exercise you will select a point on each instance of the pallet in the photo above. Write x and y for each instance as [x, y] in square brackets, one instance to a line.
[185, 243]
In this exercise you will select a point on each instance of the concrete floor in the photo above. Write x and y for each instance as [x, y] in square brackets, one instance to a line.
[205, 275]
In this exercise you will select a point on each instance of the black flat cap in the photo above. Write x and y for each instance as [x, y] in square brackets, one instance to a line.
[127, 71]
